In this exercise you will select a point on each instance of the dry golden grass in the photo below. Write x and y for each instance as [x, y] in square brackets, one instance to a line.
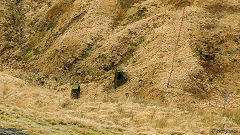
[57, 10]
[181, 3]
[124, 6]
[223, 6]
[51, 112]
[82, 46]
[1, 65]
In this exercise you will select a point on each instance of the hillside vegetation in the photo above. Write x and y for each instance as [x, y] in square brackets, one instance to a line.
[191, 46]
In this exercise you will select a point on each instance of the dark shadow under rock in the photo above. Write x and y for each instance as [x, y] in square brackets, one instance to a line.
[120, 78]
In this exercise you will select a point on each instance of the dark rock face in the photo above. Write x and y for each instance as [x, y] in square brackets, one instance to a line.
[120, 78]
[75, 93]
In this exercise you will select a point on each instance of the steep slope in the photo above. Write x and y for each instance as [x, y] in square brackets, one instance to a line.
[189, 44]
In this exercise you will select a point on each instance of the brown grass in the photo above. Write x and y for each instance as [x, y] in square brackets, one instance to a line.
[1, 68]
[92, 49]
[57, 10]
[5, 90]
[56, 113]
[219, 7]
[180, 3]
[124, 6]
[234, 115]
[216, 49]
[161, 123]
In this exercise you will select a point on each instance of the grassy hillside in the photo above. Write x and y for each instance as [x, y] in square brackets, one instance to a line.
[191, 46]
[39, 110]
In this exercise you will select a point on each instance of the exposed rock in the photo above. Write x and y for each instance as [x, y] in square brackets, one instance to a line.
[75, 93]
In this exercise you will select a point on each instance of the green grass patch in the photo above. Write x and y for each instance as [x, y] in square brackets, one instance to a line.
[75, 87]
[6, 118]
[34, 43]
[28, 54]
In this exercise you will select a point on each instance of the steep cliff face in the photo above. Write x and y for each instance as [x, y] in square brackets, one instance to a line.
[190, 45]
